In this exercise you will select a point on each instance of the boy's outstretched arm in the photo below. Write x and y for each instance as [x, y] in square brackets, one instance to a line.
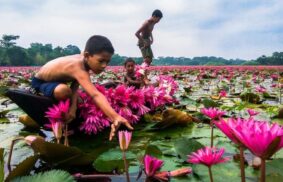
[101, 101]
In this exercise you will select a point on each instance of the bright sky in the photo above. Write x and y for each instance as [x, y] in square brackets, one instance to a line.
[243, 29]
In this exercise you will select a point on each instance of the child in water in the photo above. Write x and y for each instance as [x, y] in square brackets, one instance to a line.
[130, 78]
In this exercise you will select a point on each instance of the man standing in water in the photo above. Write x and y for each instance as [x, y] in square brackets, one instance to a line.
[144, 34]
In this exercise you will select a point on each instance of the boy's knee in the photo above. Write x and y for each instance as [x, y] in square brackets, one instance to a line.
[62, 92]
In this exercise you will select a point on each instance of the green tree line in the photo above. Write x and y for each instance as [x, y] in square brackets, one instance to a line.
[38, 54]
[35, 55]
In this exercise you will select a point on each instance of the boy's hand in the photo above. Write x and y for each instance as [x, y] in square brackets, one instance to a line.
[116, 124]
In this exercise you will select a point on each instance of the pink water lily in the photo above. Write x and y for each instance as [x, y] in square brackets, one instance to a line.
[56, 115]
[124, 139]
[208, 156]
[222, 93]
[212, 113]
[261, 138]
[152, 165]
[57, 112]
[260, 89]
[226, 127]
[252, 112]
[129, 102]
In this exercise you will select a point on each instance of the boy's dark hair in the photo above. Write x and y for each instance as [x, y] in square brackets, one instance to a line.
[157, 13]
[97, 43]
[129, 60]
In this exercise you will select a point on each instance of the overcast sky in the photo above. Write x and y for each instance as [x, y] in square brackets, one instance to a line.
[243, 29]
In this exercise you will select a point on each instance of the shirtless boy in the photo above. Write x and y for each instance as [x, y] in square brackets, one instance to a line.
[52, 78]
[144, 34]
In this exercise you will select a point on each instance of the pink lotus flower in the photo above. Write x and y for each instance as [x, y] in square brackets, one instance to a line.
[260, 89]
[222, 93]
[226, 128]
[140, 70]
[58, 112]
[128, 102]
[152, 165]
[124, 139]
[207, 156]
[261, 138]
[57, 130]
[212, 113]
[252, 112]
[56, 116]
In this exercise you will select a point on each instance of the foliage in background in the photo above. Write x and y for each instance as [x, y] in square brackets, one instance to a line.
[38, 54]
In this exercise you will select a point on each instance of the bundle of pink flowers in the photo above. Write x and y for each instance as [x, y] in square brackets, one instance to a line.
[129, 102]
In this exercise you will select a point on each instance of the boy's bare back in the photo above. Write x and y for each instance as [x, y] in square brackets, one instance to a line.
[62, 69]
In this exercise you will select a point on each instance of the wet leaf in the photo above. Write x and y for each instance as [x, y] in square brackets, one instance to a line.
[64, 156]
[23, 168]
[185, 147]
[172, 117]
[53, 175]
[28, 121]
[112, 159]
[153, 150]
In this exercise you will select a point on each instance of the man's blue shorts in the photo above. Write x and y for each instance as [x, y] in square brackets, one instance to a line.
[46, 88]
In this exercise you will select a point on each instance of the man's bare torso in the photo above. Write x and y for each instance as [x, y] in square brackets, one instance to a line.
[62, 69]
[146, 32]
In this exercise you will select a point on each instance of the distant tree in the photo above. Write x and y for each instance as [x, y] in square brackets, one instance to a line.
[71, 49]
[8, 41]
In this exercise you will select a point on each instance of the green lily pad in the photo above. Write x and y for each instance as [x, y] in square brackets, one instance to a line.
[185, 146]
[112, 159]
[53, 175]
[209, 103]
[60, 155]
[23, 168]
[4, 120]
[153, 150]
[223, 172]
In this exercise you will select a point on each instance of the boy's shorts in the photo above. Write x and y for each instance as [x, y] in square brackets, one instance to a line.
[146, 51]
[46, 88]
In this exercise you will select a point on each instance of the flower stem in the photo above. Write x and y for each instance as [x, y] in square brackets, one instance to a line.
[211, 137]
[242, 164]
[66, 142]
[262, 171]
[210, 174]
[126, 166]
[11, 152]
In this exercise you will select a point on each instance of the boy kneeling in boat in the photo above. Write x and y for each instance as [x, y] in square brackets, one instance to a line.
[52, 78]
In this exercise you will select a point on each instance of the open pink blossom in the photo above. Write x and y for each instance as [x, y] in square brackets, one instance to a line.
[222, 93]
[208, 156]
[212, 113]
[261, 138]
[252, 112]
[57, 112]
[260, 89]
[226, 127]
[152, 165]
